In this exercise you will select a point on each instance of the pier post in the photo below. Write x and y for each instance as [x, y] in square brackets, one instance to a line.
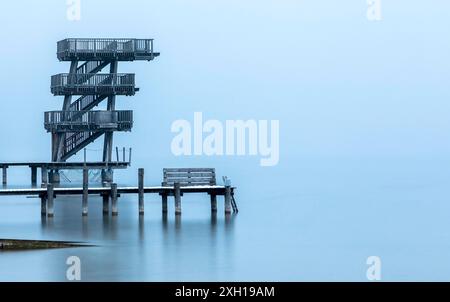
[227, 199]
[177, 195]
[50, 199]
[33, 175]
[54, 177]
[164, 203]
[105, 197]
[43, 205]
[141, 190]
[44, 176]
[85, 192]
[5, 175]
[107, 176]
[114, 210]
[213, 203]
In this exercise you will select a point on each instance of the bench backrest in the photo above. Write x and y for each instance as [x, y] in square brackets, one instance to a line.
[189, 176]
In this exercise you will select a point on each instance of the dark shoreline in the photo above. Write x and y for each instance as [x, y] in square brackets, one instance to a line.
[19, 245]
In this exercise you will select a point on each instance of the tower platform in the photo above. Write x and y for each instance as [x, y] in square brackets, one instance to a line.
[106, 49]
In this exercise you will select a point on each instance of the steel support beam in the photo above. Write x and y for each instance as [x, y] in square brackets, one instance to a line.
[59, 138]
[108, 142]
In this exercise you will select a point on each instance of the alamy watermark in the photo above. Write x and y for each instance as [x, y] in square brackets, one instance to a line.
[374, 10]
[73, 12]
[373, 272]
[232, 138]
[73, 272]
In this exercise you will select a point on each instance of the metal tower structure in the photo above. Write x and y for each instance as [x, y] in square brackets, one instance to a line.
[77, 125]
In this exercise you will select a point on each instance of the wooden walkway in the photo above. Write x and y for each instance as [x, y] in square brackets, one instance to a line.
[176, 184]
[111, 194]
[217, 190]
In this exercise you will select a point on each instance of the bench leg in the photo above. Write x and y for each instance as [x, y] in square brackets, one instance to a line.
[213, 203]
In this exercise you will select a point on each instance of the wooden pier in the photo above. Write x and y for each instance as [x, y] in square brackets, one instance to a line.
[111, 193]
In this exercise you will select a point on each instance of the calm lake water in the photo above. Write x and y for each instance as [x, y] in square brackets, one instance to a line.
[316, 220]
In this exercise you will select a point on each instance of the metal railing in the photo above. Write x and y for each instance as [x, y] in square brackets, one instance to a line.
[86, 102]
[74, 141]
[120, 119]
[100, 46]
[91, 67]
[94, 80]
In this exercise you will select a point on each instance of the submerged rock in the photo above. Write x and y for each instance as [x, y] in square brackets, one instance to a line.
[12, 244]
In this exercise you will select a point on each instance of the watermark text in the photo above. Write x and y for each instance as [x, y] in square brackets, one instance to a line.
[232, 138]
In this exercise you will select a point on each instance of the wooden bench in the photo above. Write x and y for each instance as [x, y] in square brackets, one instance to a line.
[190, 177]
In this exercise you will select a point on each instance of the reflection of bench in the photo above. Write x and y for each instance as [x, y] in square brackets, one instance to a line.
[192, 178]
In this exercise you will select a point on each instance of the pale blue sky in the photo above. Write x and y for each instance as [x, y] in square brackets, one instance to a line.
[339, 84]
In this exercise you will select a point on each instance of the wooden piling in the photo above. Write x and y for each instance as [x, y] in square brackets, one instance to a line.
[227, 199]
[50, 201]
[43, 206]
[44, 176]
[33, 175]
[54, 177]
[114, 209]
[5, 175]
[213, 203]
[85, 192]
[105, 197]
[177, 195]
[164, 203]
[141, 190]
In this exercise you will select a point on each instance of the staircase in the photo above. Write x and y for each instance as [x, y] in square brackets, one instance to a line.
[76, 141]
[87, 102]
[92, 67]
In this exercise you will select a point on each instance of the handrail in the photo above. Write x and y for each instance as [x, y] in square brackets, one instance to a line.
[97, 117]
[89, 79]
[87, 101]
[91, 67]
[105, 45]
